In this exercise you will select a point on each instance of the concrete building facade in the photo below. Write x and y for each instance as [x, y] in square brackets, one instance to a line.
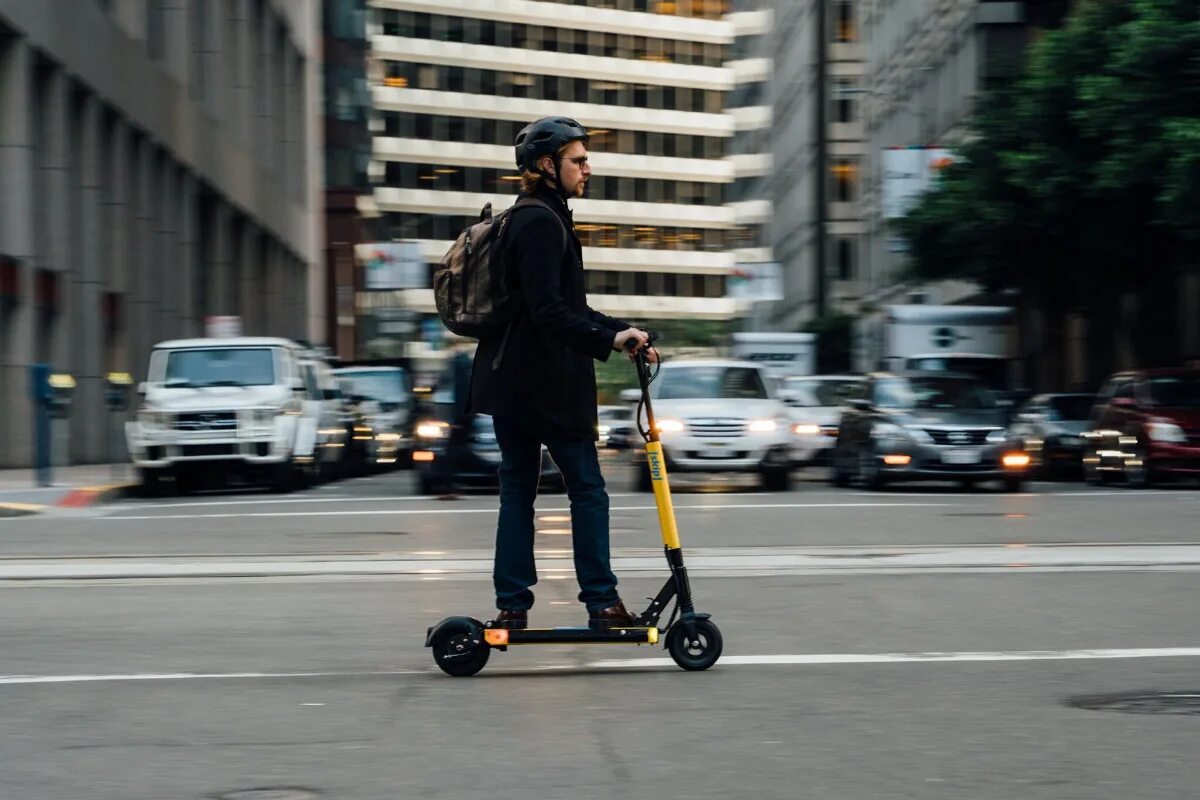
[817, 144]
[157, 164]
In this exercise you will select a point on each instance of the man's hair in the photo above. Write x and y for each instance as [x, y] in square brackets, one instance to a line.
[530, 180]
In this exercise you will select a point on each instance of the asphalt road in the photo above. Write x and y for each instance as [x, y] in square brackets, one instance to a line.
[922, 643]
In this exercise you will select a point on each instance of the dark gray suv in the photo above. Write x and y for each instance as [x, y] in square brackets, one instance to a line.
[926, 426]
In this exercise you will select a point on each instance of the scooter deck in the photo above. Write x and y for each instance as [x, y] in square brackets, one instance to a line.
[501, 637]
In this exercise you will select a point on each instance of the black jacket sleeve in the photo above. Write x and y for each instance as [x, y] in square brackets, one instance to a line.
[612, 323]
[537, 255]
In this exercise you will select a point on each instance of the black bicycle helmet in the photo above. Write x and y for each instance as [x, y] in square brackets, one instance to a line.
[545, 137]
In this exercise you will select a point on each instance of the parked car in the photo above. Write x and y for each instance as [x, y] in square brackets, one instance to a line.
[1145, 427]
[1052, 428]
[474, 461]
[262, 408]
[717, 416]
[475, 464]
[926, 426]
[816, 403]
[389, 407]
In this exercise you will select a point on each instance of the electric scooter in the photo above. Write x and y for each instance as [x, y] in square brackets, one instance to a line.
[461, 645]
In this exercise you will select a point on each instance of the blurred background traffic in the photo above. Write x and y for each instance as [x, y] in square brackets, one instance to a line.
[882, 242]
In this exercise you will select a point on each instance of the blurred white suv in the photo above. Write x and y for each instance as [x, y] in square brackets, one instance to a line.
[719, 416]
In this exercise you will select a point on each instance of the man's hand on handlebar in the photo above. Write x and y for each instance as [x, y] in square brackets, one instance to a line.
[632, 340]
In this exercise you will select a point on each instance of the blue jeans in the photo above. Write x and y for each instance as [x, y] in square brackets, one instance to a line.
[520, 469]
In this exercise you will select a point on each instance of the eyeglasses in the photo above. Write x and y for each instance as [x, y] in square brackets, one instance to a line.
[578, 161]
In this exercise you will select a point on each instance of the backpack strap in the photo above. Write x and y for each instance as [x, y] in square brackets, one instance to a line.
[526, 202]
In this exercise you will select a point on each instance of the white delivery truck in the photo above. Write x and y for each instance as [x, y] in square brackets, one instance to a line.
[978, 340]
[782, 354]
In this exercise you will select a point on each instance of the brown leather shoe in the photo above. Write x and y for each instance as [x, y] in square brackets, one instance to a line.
[612, 617]
[511, 620]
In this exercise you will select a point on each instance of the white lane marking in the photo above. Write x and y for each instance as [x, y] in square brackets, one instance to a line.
[495, 510]
[635, 663]
[909, 658]
[779, 560]
[191, 676]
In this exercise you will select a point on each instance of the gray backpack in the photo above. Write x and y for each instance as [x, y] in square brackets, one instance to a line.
[470, 286]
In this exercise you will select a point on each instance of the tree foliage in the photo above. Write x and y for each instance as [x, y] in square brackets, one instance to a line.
[1083, 175]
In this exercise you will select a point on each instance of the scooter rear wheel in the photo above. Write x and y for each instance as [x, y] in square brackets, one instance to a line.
[460, 651]
[698, 652]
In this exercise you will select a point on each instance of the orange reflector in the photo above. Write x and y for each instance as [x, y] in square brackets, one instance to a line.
[896, 460]
[422, 455]
[1015, 460]
[495, 636]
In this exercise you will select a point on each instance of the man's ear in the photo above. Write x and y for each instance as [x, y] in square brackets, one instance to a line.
[548, 165]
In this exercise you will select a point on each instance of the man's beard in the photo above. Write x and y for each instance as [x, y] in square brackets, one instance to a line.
[581, 188]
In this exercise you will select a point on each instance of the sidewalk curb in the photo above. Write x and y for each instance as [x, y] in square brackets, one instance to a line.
[87, 496]
[20, 509]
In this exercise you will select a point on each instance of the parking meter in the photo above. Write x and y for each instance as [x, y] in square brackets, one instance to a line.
[51, 393]
[116, 390]
[62, 388]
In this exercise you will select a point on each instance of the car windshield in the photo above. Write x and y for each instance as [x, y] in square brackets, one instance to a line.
[992, 371]
[616, 414]
[220, 366]
[814, 393]
[933, 393]
[695, 383]
[388, 386]
[1070, 408]
[1174, 391]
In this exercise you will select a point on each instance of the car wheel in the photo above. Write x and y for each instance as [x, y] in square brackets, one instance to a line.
[1137, 469]
[283, 478]
[776, 479]
[1092, 473]
[642, 482]
[1013, 484]
[151, 483]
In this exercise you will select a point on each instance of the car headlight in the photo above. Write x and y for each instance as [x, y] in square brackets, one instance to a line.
[886, 430]
[762, 425]
[919, 435]
[432, 430]
[154, 419]
[1165, 432]
[265, 416]
[806, 428]
[668, 426]
[603, 430]
[996, 437]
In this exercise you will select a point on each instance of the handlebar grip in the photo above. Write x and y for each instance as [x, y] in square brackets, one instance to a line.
[631, 344]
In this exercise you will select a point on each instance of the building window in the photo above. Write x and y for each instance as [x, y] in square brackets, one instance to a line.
[845, 27]
[845, 180]
[845, 259]
[845, 101]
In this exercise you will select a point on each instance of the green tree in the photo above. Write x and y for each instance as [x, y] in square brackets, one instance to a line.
[1082, 179]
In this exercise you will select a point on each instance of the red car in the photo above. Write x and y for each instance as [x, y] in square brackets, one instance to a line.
[1145, 427]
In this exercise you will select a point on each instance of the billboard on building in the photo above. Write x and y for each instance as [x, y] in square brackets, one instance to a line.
[392, 265]
[907, 172]
[758, 282]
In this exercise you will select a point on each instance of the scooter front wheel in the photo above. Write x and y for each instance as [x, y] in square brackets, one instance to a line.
[699, 651]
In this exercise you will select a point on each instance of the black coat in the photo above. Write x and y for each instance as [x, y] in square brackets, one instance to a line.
[545, 378]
